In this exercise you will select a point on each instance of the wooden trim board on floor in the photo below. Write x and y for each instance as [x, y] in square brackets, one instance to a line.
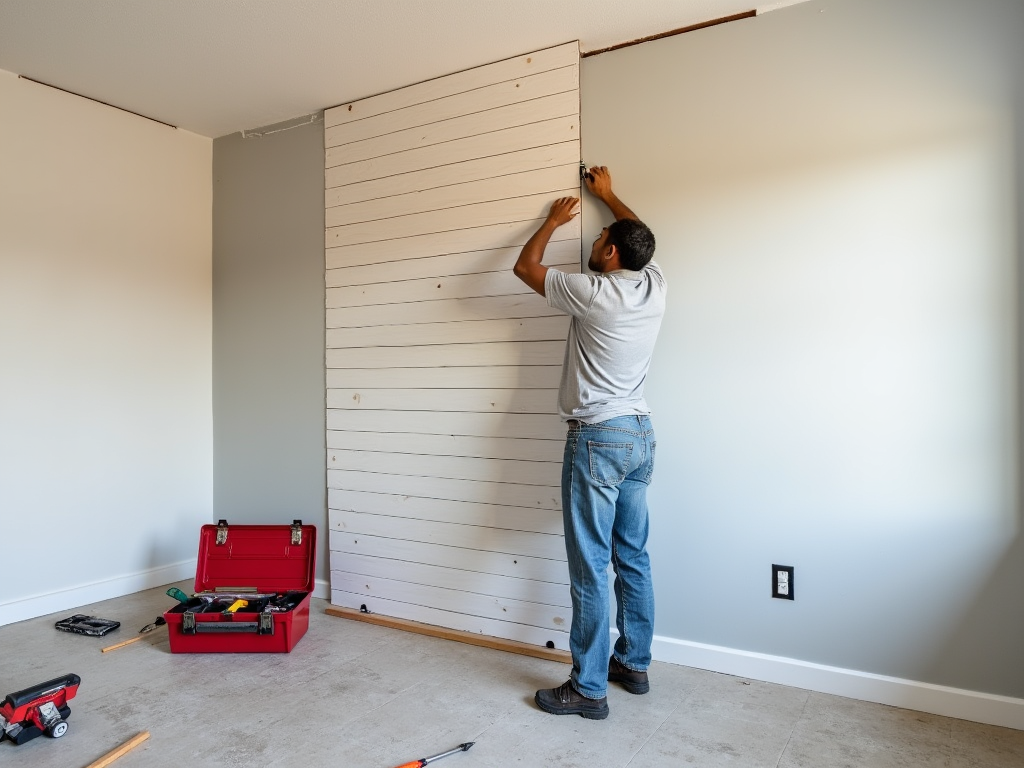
[497, 643]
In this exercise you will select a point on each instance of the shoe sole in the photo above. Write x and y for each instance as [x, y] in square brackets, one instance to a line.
[634, 688]
[589, 714]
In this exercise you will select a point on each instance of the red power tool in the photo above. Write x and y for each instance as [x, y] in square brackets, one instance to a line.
[40, 709]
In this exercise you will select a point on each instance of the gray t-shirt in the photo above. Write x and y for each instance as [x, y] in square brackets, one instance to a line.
[615, 321]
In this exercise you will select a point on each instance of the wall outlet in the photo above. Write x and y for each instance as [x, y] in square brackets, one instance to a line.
[782, 582]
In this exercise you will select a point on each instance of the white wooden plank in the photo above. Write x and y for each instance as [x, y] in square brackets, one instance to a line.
[501, 283]
[457, 600]
[537, 401]
[447, 511]
[543, 545]
[517, 425]
[559, 253]
[525, 208]
[494, 447]
[532, 496]
[456, 129]
[530, 86]
[527, 590]
[460, 332]
[479, 561]
[441, 355]
[480, 308]
[476, 624]
[495, 166]
[543, 180]
[469, 377]
[512, 139]
[546, 473]
[506, 235]
[556, 57]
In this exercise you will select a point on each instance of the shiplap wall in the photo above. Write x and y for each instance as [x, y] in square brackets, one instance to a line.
[444, 447]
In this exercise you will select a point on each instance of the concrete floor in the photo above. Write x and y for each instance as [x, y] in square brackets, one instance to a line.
[361, 696]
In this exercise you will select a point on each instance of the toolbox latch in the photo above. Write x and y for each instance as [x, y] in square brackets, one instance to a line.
[296, 532]
[188, 623]
[266, 626]
[222, 532]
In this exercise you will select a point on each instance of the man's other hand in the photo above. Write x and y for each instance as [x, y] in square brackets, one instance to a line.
[563, 210]
[599, 182]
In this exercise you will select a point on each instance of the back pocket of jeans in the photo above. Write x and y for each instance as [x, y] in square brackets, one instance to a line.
[609, 462]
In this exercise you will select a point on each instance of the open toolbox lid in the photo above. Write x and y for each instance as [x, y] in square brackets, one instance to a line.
[261, 558]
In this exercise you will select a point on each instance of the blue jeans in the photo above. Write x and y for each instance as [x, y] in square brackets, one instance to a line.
[605, 473]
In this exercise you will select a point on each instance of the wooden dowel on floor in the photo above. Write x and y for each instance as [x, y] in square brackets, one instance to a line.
[124, 749]
[122, 645]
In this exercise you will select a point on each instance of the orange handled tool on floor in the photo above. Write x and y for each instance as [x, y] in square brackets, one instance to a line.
[427, 760]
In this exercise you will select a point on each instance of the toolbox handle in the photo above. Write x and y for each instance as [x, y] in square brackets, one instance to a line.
[265, 626]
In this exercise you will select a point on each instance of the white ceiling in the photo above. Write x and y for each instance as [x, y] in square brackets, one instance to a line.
[218, 66]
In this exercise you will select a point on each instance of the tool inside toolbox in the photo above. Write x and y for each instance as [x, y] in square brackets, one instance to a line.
[279, 602]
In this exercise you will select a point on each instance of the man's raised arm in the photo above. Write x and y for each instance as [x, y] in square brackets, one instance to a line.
[528, 268]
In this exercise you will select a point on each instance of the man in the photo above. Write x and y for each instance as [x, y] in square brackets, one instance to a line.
[609, 448]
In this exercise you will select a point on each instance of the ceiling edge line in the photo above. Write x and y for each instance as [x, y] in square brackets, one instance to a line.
[670, 33]
[90, 98]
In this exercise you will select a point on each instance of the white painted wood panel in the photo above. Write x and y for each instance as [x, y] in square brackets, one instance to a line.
[541, 545]
[471, 377]
[448, 511]
[527, 590]
[427, 289]
[483, 492]
[478, 401]
[454, 195]
[564, 253]
[515, 425]
[475, 560]
[464, 332]
[476, 624]
[489, 97]
[460, 127]
[536, 134]
[504, 235]
[341, 190]
[444, 310]
[453, 467]
[448, 445]
[485, 214]
[442, 355]
[556, 57]
[457, 600]
[444, 449]
[484, 307]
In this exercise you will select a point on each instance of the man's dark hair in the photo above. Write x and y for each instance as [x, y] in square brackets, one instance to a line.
[635, 242]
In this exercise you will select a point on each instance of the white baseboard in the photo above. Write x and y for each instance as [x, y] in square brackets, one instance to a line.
[909, 694]
[322, 588]
[83, 594]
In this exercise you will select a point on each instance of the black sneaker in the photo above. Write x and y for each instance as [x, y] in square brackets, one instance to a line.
[566, 700]
[634, 682]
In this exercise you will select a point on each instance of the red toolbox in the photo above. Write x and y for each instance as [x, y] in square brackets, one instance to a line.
[271, 567]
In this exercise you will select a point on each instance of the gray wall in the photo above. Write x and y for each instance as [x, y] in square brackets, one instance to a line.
[269, 454]
[836, 191]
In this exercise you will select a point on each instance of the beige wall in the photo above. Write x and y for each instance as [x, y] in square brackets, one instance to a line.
[105, 350]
